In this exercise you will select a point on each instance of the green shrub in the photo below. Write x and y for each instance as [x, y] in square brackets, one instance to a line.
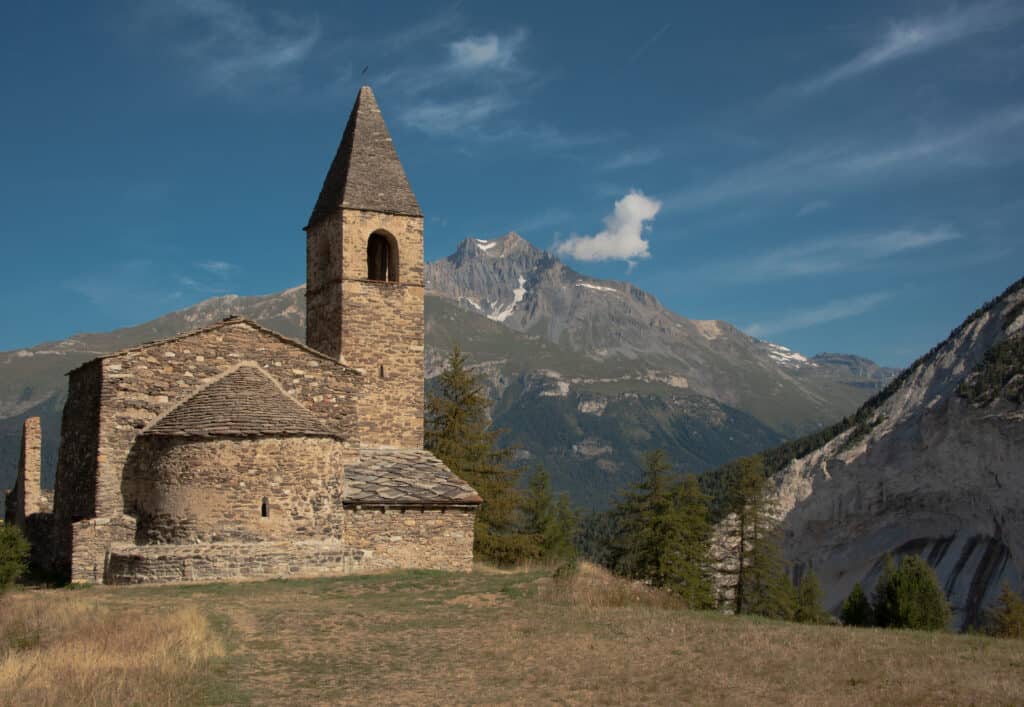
[14, 549]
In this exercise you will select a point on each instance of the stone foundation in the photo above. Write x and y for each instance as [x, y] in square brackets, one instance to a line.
[206, 562]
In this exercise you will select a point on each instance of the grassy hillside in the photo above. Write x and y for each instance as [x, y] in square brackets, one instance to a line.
[487, 637]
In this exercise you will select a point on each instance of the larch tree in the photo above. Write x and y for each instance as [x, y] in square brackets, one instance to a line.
[762, 582]
[686, 565]
[458, 431]
[549, 520]
[856, 609]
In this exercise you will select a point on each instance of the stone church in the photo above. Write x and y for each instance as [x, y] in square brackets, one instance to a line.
[232, 451]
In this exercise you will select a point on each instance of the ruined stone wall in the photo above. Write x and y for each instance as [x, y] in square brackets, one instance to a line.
[28, 493]
[140, 385]
[428, 539]
[376, 327]
[91, 540]
[74, 496]
[200, 490]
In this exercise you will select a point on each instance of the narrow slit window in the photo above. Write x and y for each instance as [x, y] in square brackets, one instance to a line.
[265, 508]
[380, 371]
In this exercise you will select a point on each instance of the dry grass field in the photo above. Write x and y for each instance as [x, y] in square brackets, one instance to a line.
[486, 637]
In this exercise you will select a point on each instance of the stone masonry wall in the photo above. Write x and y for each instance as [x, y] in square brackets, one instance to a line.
[74, 495]
[427, 539]
[29, 495]
[91, 540]
[376, 327]
[200, 490]
[218, 561]
[142, 384]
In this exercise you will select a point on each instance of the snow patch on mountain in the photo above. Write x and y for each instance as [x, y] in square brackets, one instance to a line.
[517, 296]
[484, 245]
[786, 356]
[597, 287]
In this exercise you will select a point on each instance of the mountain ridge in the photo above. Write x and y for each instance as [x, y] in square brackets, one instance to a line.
[587, 355]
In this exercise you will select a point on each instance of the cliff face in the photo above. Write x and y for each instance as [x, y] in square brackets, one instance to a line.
[935, 471]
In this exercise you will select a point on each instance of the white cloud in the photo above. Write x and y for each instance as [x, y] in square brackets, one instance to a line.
[439, 118]
[217, 267]
[487, 51]
[623, 236]
[825, 166]
[917, 37]
[229, 44]
[822, 314]
[634, 158]
[833, 254]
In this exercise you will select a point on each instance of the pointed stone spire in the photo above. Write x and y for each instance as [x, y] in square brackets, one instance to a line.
[366, 173]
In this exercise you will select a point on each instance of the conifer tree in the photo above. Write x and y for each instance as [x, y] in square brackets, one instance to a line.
[1006, 619]
[909, 596]
[685, 567]
[644, 518]
[763, 586]
[884, 603]
[550, 521]
[921, 601]
[856, 610]
[14, 549]
[808, 600]
[458, 431]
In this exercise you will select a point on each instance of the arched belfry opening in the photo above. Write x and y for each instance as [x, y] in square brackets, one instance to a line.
[382, 257]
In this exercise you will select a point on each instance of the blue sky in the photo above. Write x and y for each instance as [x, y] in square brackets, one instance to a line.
[830, 176]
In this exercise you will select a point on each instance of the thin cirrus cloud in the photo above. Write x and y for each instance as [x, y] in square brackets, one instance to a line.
[228, 44]
[447, 118]
[915, 37]
[486, 51]
[828, 166]
[216, 267]
[623, 234]
[634, 158]
[822, 314]
[830, 255]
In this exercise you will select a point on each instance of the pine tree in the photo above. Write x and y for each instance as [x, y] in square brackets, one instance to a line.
[685, 565]
[909, 596]
[762, 584]
[885, 604]
[808, 600]
[549, 521]
[459, 433]
[1006, 619]
[643, 519]
[856, 610]
[921, 601]
[14, 549]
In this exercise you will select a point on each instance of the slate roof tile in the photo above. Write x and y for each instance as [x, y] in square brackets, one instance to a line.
[246, 402]
[399, 477]
[366, 172]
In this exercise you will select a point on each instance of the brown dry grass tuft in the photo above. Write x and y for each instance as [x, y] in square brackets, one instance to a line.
[593, 587]
[58, 649]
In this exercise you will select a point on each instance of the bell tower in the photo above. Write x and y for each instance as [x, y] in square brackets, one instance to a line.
[364, 277]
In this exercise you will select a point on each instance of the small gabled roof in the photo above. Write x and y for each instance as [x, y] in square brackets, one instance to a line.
[366, 173]
[246, 402]
[404, 477]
